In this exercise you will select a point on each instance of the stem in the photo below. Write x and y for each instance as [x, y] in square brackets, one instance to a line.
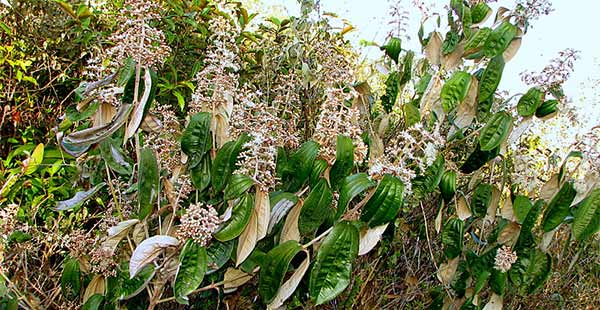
[325, 233]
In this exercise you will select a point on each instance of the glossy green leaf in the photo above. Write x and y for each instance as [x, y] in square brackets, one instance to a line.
[530, 102]
[559, 206]
[385, 203]
[201, 175]
[225, 162]
[316, 208]
[496, 131]
[521, 207]
[481, 199]
[587, 217]
[131, 287]
[455, 90]
[332, 269]
[480, 12]
[412, 114]
[477, 41]
[478, 158]
[532, 271]
[490, 79]
[238, 220]
[274, 268]
[197, 140]
[429, 181]
[547, 109]
[218, 255]
[498, 281]
[70, 280]
[499, 39]
[392, 88]
[301, 164]
[448, 185]
[452, 237]
[526, 239]
[115, 158]
[450, 42]
[319, 166]
[79, 198]
[238, 185]
[93, 303]
[148, 182]
[393, 48]
[351, 187]
[190, 273]
[344, 161]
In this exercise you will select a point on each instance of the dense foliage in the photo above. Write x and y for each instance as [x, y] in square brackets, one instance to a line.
[205, 151]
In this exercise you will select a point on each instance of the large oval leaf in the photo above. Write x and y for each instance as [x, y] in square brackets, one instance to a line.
[478, 158]
[385, 203]
[587, 216]
[455, 90]
[344, 160]
[190, 273]
[490, 79]
[499, 39]
[477, 41]
[521, 207]
[225, 160]
[351, 187]
[300, 164]
[481, 199]
[332, 270]
[240, 217]
[237, 186]
[70, 280]
[529, 102]
[196, 140]
[316, 209]
[452, 237]
[429, 181]
[559, 206]
[496, 131]
[130, 287]
[274, 267]
[148, 182]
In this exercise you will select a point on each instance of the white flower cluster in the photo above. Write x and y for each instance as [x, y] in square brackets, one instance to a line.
[136, 39]
[409, 151]
[505, 258]
[199, 223]
[338, 119]
[556, 73]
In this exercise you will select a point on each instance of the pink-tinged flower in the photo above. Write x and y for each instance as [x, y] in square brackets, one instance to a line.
[199, 223]
[504, 259]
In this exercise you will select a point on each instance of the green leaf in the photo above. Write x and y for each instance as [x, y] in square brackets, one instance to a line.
[498, 281]
[482, 197]
[70, 281]
[479, 12]
[587, 216]
[332, 269]
[197, 140]
[79, 198]
[31, 164]
[238, 185]
[478, 158]
[412, 114]
[496, 131]
[238, 221]
[218, 255]
[455, 90]
[393, 48]
[225, 162]
[490, 79]
[559, 206]
[190, 273]
[274, 267]
[429, 181]
[201, 174]
[521, 206]
[407, 67]
[132, 287]
[530, 102]
[526, 239]
[126, 72]
[301, 164]
[351, 187]
[499, 39]
[450, 42]
[75, 116]
[319, 166]
[452, 237]
[385, 203]
[531, 272]
[148, 183]
[477, 41]
[316, 208]
[392, 88]
[94, 302]
[115, 159]
[344, 160]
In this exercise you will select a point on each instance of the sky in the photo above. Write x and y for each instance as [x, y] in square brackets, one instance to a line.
[573, 24]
